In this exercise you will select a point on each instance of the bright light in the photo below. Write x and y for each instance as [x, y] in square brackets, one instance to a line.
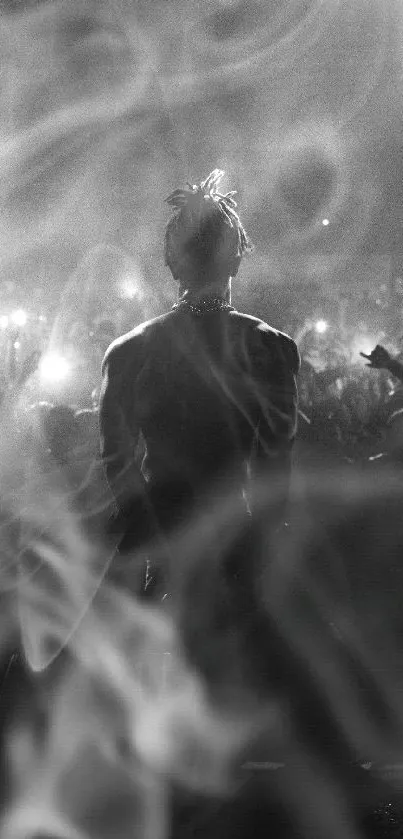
[128, 288]
[19, 318]
[321, 326]
[3, 322]
[361, 343]
[53, 368]
[17, 345]
[325, 222]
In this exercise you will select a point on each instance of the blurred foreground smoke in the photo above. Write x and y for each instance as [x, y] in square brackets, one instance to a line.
[157, 719]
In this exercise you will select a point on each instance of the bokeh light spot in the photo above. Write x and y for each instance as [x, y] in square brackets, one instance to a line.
[19, 318]
[54, 368]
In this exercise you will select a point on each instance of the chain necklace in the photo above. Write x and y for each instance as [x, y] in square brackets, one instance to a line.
[211, 304]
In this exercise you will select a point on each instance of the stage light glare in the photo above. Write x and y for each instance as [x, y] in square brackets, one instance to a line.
[3, 322]
[128, 288]
[325, 222]
[321, 326]
[53, 368]
[19, 318]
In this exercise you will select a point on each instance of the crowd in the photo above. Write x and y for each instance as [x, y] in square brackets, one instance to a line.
[348, 413]
[355, 415]
[345, 409]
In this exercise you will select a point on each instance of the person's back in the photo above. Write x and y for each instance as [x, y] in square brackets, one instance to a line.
[201, 385]
[212, 392]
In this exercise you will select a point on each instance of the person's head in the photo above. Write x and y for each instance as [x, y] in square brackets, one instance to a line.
[204, 240]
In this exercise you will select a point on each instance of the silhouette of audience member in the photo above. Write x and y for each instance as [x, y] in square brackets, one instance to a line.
[380, 359]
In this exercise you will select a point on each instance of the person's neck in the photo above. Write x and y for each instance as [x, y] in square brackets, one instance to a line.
[207, 291]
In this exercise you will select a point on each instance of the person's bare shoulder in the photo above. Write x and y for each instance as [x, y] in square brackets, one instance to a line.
[272, 339]
[128, 346]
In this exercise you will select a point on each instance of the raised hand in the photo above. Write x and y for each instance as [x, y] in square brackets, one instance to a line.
[379, 358]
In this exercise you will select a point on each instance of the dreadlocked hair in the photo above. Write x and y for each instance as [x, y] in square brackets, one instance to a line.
[205, 231]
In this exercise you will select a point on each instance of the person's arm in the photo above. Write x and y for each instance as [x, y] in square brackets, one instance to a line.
[278, 408]
[118, 441]
[380, 359]
[278, 398]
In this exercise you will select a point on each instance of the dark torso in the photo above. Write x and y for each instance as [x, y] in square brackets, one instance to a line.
[196, 392]
[192, 398]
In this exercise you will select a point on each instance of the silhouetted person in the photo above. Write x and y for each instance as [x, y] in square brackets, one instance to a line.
[210, 391]
[380, 359]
